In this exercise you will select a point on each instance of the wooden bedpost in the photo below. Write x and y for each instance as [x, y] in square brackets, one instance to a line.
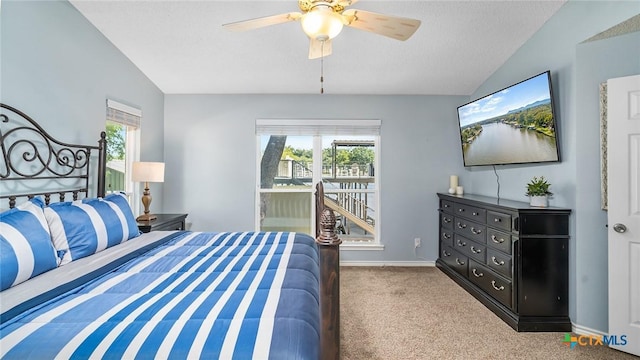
[329, 248]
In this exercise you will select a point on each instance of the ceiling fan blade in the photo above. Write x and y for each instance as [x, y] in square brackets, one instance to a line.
[316, 49]
[398, 28]
[262, 22]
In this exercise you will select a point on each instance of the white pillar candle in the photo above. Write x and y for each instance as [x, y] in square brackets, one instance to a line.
[453, 181]
[459, 190]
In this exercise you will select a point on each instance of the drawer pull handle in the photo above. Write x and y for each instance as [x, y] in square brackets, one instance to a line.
[476, 231]
[446, 205]
[476, 251]
[461, 243]
[475, 213]
[462, 226]
[493, 283]
[446, 220]
[495, 261]
[477, 274]
[461, 210]
[446, 236]
[460, 262]
[497, 220]
[445, 253]
[496, 240]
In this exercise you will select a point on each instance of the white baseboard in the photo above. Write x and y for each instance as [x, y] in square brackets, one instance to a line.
[583, 330]
[346, 246]
[389, 263]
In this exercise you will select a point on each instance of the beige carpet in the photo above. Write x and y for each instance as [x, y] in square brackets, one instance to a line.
[419, 313]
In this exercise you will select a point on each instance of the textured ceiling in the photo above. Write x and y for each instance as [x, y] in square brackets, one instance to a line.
[182, 47]
[628, 26]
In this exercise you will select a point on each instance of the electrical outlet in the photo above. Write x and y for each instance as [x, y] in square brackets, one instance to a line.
[416, 242]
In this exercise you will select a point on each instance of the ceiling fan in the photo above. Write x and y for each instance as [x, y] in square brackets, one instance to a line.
[323, 20]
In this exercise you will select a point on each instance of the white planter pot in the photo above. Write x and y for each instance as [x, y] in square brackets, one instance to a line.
[539, 201]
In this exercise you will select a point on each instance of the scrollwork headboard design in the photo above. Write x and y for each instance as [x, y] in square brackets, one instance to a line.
[35, 164]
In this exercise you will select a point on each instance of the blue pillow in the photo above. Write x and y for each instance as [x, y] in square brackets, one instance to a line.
[85, 227]
[25, 244]
[120, 201]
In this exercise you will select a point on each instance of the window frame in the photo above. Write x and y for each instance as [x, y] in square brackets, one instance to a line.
[318, 129]
[131, 118]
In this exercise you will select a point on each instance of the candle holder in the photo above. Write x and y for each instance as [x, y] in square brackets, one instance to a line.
[453, 184]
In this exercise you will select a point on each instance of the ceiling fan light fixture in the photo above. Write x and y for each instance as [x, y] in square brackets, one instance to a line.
[321, 23]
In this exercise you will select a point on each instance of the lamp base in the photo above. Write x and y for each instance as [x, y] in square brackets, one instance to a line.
[146, 217]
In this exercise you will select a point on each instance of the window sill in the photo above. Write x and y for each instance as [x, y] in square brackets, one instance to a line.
[360, 247]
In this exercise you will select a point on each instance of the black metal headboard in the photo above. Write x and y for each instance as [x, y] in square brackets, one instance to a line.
[33, 163]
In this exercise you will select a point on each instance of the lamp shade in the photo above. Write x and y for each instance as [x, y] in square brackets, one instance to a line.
[148, 172]
[321, 23]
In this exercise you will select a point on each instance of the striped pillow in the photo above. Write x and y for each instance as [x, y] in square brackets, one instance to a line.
[85, 227]
[25, 244]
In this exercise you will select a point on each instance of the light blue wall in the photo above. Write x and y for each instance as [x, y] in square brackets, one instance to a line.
[210, 144]
[59, 69]
[576, 70]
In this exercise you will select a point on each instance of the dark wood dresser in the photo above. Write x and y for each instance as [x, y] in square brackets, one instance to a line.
[511, 257]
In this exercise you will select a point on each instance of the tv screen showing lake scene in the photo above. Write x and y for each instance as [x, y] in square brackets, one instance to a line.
[515, 125]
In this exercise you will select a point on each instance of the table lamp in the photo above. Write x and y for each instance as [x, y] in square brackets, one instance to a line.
[147, 172]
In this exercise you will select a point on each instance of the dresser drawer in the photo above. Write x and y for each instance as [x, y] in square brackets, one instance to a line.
[446, 220]
[460, 243]
[470, 212]
[472, 249]
[499, 240]
[446, 206]
[455, 260]
[476, 273]
[499, 220]
[493, 284]
[500, 262]
[470, 229]
[446, 236]
[445, 252]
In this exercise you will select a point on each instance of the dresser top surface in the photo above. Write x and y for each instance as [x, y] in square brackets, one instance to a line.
[497, 202]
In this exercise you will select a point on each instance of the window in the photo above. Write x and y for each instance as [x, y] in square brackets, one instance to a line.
[123, 139]
[296, 154]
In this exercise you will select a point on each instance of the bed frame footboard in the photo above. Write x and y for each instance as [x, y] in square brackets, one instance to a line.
[329, 247]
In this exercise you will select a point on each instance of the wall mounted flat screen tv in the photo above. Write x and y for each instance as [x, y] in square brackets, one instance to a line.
[515, 125]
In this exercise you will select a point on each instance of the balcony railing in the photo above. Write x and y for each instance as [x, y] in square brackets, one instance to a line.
[293, 169]
[348, 193]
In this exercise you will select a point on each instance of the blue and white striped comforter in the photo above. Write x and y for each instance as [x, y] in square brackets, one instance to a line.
[199, 295]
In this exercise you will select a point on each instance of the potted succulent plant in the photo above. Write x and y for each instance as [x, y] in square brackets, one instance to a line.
[538, 191]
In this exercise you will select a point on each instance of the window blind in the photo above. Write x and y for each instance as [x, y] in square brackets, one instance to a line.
[317, 127]
[123, 114]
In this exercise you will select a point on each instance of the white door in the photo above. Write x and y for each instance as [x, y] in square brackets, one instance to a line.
[623, 158]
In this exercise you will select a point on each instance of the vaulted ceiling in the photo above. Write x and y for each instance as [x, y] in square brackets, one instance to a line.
[182, 47]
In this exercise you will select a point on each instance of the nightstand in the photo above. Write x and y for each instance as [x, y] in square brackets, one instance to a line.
[163, 222]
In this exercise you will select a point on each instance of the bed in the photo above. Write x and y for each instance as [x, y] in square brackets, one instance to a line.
[80, 281]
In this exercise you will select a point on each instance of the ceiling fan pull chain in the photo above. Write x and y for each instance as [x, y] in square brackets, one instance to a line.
[322, 67]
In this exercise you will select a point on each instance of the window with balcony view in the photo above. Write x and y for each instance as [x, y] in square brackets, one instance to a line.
[344, 158]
